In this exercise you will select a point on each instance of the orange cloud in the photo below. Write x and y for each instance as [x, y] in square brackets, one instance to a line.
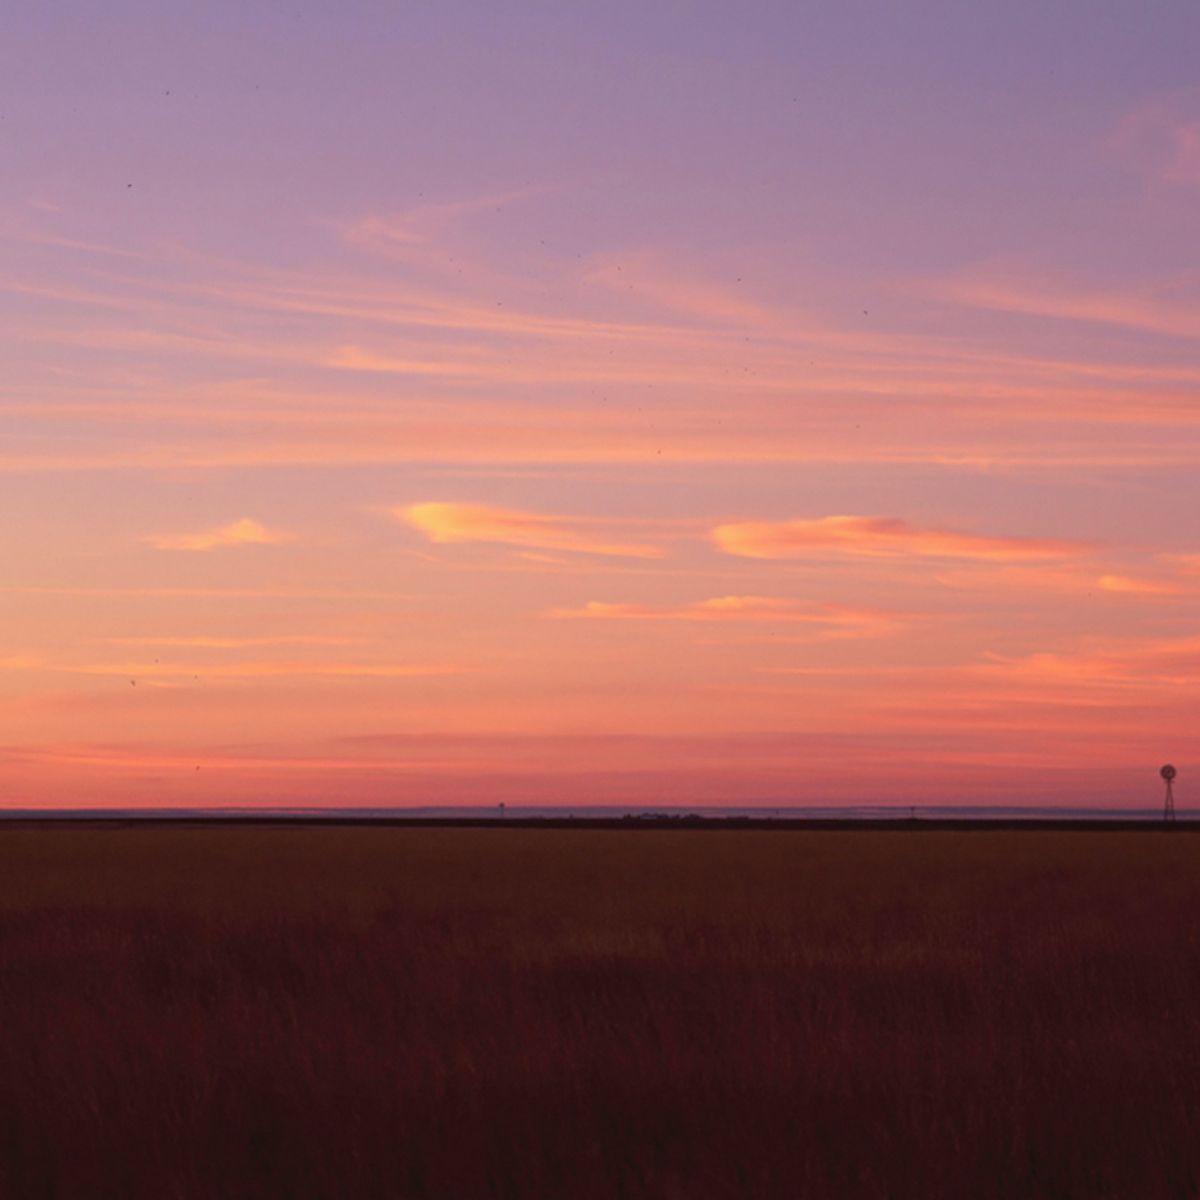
[177, 593]
[1131, 585]
[244, 532]
[453, 523]
[235, 643]
[1122, 662]
[262, 670]
[1189, 564]
[1051, 578]
[19, 662]
[879, 537]
[836, 620]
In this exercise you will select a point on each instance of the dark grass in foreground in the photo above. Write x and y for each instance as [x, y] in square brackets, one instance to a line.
[296, 1012]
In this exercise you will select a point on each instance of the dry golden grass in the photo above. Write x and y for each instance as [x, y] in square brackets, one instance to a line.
[293, 1012]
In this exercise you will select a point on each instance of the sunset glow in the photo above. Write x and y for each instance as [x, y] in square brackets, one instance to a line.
[599, 404]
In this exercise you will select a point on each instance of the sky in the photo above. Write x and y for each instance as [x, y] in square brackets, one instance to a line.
[679, 403]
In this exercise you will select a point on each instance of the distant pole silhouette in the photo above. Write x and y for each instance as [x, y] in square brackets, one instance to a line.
[1168, 774]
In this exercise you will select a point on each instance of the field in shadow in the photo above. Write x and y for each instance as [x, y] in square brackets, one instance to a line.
[296, 1012]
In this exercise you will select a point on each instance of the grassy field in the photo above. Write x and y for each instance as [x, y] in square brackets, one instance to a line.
[293, 1012]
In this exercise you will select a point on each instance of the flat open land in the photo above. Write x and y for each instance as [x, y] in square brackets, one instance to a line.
[294, 1011]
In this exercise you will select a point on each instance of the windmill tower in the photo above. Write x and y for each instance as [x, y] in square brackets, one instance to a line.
[1168, 775]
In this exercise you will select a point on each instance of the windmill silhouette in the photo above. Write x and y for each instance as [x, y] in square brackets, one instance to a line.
[1168, 774]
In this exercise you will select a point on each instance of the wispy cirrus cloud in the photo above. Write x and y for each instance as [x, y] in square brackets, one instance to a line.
[205, 593]
[19, 662]
[1048, 577]
[274, 669]
[243, 532]
[482, 348]
[1188, 563]
[833, 620]
[448, 523]
[880, 537]
[1133, 585]
[643, 276]
[1117, 662]
[423, 223]
[1144, 310]
[1161, 139]
[235, 643]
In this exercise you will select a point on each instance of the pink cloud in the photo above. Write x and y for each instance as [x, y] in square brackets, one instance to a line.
[1162, 139]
